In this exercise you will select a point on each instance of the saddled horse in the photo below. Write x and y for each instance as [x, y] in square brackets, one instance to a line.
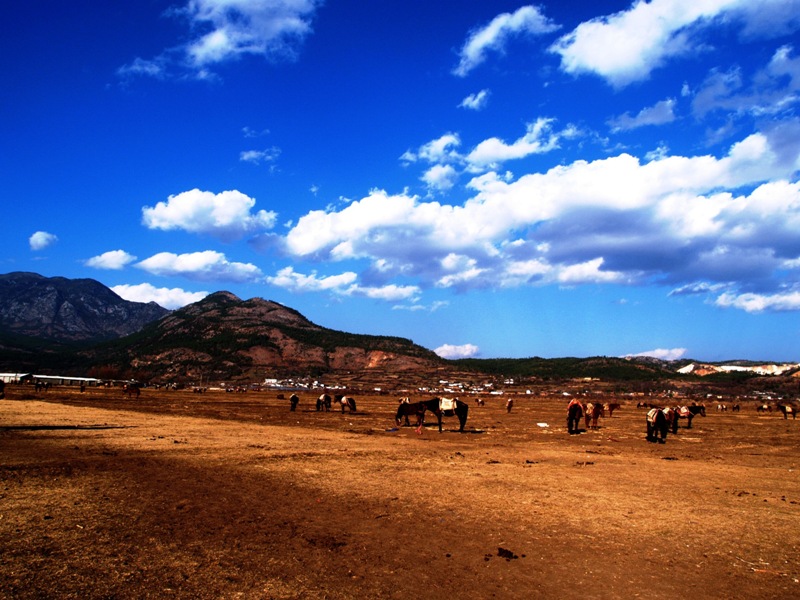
[447, 407]
[346, 402]
[131, 390]
[324, 402]
[592, 413]
[688, 413]
[406, 408]
[788, 409]
[658, 424]
[574, 414]
[764, 408]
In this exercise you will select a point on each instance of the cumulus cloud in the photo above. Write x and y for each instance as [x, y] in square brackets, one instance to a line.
[440, 177]
[226, 215]
[494, 36]
[538, 139]
[677, 219]
[452, 352]
[41, 240]
[663, 353]
[113, 260]
[200, 266]
[170, 298]
[756, 303]
[628, 45]
[344, 284]
[477, 101]
[224, 30]
[257, 157]
[659, 114]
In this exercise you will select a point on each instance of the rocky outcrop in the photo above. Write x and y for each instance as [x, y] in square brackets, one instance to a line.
[69, 310]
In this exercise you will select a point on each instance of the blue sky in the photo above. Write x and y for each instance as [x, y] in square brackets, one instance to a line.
[489, 179]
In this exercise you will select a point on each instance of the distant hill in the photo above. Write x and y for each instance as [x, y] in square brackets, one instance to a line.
[61, 310]
[224, 338]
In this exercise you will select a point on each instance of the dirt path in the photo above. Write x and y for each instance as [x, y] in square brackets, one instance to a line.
[220, 497]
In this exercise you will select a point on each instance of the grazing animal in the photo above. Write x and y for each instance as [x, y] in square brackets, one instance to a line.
[131, 390]
[592, 413]
[722, 407]
[574, 414]
[786, 410]
[509, 405]
[688, 413]
[735, 408]
[324, 403]
[294, 400]
[448, 407]
[479, 401]
[346, 402]
[406, 408]
[405, 400]
[658, 423]
[611, 407]
[764, 408]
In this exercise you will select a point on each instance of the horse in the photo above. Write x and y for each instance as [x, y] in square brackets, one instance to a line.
[764, 408]
[735, 408]
[658, 422]
[294, 400]
[406, 408]
[509, 405]
[787, 409]
[574, 414]
[130, 390]
[592, 413]
[448, 407]
[346, 402]
[611, 407]
[479, 401]
[688, 413]
[324, 403]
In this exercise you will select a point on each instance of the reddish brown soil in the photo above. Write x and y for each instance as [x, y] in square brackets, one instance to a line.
[181, 495]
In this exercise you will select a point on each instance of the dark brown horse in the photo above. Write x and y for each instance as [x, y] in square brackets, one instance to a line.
[688, 413]
[404, 409]
[574, 414]
[611, 407]
[346, 402]
[788, 409]
[131, 390]
[447, 407]
[658, 424]
[324, 402]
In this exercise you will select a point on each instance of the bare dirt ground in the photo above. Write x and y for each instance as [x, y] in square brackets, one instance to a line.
[181, 495]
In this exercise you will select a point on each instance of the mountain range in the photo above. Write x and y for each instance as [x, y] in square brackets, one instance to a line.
[80, 327]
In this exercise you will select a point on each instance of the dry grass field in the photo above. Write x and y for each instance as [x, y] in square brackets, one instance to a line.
[182, 495]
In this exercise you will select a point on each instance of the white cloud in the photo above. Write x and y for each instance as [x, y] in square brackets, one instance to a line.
[200, 266]
[114, 260]
[258, 157]
[452, 352]
[663, 353]
[440, 150]
[477, 101]
[627, 46]
[41, 240]
[225, 30]
[496, 34]
[226, 215]
[170, 298]
[661, 113]
[677, 219]
[344, 284]
[756, 303]
[538, 139]
[440, 177]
